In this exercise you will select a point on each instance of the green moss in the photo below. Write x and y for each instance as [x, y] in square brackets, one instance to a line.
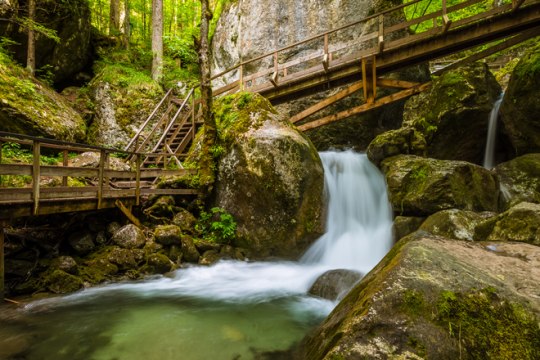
[413, 302]
[488, 327]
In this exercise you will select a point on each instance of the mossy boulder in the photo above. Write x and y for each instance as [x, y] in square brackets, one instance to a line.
[405, 225]
[189, 250]
[334, 284]
[82, 242]
[519, 223]
[60, 282]
[405, 140]
[125, 259]
[123, 97]
[453, 114]
[519, 180]
[27, 106]
[185, 220]
[168, 235]
[209, 257]
[422, 186]
[270, 178]
[409, 307]
[454, 223]
[520, 109]
[67, 264]
[129, 237]
[159, 264]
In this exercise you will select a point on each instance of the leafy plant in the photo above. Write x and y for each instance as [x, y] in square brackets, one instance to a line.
[217, 225]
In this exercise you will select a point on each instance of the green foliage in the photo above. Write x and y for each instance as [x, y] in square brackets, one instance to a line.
[488, 327]
[26, 23]
[217, 225]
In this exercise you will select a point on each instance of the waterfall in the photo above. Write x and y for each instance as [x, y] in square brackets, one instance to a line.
[358, 236]
[489, 153]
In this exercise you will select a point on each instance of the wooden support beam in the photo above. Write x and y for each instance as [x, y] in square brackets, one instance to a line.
[2, 276]
[327, 102]
[446, 21]
[396, 84]
[365, 84]
[326, 56]
[516, 4]
[65, 163]
[381, 33]
[138, 179]
[365, 107]
[101, 171]
[274, 79]
[374, 78]
[36, 176]
[128, 213]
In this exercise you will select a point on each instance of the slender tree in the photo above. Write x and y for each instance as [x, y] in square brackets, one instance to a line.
[203, 48]
[157, 39]
[127, 25]
[31, 50]
[114, 17]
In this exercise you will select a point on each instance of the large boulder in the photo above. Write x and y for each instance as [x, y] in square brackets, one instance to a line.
[453, 114]
[409, 307]
[129, 237]
[29, 107]
[270, 178]
[334, 284]
[242, 33]
[520, 109]
[70, 20]
[519, 180]
[421, 186]
[519, 223]
[454, 223]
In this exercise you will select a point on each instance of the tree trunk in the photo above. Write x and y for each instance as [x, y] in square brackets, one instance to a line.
[127, 25]
[31, 51]
[203, 48]
[114, 17]
[157, 39]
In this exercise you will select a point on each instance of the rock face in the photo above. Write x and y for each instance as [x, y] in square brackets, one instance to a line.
[71, 21]
[449, 121]
[519, 180]
[410, 308]
[270, 178]
[520, 108]
[242, 33]
[29, 107]
[422, 186]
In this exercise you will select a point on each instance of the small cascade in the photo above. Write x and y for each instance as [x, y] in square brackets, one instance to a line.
[489, 154]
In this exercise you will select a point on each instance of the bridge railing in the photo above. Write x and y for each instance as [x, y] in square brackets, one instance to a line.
[366, 38]
[68, 174]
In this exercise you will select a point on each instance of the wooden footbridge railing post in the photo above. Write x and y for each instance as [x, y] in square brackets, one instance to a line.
[36, 175]
[138, 179]
[65, 162]
[2, 279]
[103, 161]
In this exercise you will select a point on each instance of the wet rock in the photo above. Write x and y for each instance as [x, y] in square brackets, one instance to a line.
[185, 220]
[82, 242]
[270, 178]
[112, 228]
[404, 308]
[98, 270]
[168, 235]
[422, 186]
[519, 223]
[60, 282]
[334, 284]
[454, 223]
[176, 254]
[405, 225]
[163, 208]
[520, 108]
[204, 245]
[125, 259]
[159, 263]
[67, 264]
[191, 254]
[209, 257]
[519, 180]
[405, 140]
[129, 237]
[453, 114]
[101, 238]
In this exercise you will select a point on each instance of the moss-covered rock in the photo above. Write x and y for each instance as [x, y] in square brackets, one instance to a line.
[270, 178]
[334, 284]
[185, 220]
[209, 257]
[60, 282]
[189, 250]
[405, 140]
[30, 107]
[519, 180]
[453, 114]
[454, 223]
[519, 223]
[405, 225]
[409, 307]
[159, 263]
[82, 242]
[168, 235]
[422, 186]
[520, 109]
[125, 259]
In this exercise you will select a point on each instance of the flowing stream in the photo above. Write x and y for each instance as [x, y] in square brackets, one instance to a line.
[232, 310]
[489, 154]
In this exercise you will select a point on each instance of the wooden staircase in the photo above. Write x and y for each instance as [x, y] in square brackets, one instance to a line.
[168, 132]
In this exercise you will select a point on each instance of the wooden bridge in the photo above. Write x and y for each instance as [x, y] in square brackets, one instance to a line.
[379, 44]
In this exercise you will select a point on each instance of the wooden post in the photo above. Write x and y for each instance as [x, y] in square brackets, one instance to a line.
[2, 278]
[36, 176]
[275, 75]
[381, 33]
[241, 79]
[65, 162]
[101, 171]
[138, 179]
[374, 77]
[365, 84]
[326, 58]
[446, 21]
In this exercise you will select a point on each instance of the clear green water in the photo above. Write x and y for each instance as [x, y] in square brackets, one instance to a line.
[127, 326]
